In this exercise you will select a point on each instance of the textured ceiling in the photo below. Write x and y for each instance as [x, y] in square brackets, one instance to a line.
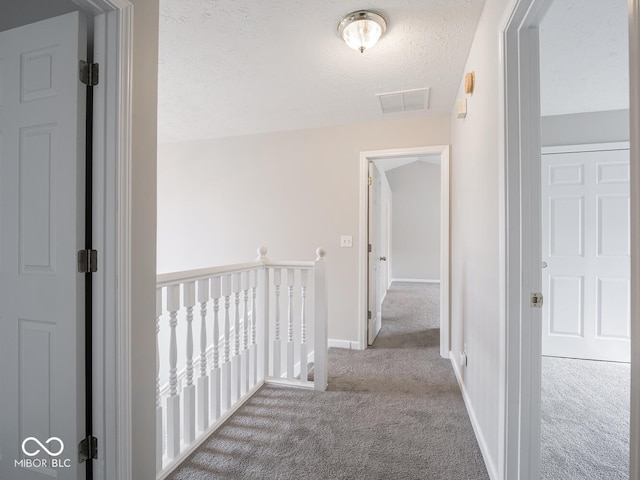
[237, 67]
[584, 57]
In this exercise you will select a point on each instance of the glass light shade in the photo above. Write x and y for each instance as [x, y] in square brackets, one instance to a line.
[361, 30]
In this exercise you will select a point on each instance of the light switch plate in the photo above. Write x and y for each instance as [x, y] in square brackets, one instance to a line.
[346, 241]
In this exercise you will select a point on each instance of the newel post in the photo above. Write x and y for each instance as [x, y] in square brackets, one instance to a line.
[321, 321]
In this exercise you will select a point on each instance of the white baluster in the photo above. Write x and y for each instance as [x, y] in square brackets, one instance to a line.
[159, 431]
[203, 380]
[189, 391]
[216, 374]
[304, 367]
[263, 319]
[320, 321]
[173, 401]
[235, 360]
[244, 355]
[226, 363]
[253, 350]
[290, 344]
[277, 358]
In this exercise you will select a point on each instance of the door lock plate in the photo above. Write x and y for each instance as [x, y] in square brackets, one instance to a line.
[536, 300]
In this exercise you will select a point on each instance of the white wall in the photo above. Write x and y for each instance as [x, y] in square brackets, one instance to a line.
[585, 128]
[416, 221]
[293, 191]
[475, 235]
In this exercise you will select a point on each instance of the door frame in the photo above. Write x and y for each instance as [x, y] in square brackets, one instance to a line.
[519, 85]
[113, 48]
[445, 183]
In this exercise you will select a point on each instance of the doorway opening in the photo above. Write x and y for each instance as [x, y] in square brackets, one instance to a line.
[584, 192]
[374, 280]
[521, 220]
[109, 23]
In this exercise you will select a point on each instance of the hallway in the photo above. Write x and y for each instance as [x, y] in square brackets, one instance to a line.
[393, 411]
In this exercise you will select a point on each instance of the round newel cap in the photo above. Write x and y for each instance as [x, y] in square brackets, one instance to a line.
[320, 253]
[262, 253]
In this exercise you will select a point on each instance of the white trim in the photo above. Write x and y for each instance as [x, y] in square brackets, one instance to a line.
[445, 256]
[502, 250]
[348, 344]
[112, 115]
[591, 147]
[415, 280]
[482, 442]
[520, 335]
[634, 82]
[365, 157]
[118, 343]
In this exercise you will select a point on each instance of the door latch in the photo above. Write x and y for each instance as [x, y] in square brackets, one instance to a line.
[536, 300]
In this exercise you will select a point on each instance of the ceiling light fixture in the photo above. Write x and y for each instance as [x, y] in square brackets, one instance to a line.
[362, 29]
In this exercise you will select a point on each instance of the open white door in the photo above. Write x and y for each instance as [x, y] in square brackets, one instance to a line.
[42, 108]
[375, 299]
[585, 249]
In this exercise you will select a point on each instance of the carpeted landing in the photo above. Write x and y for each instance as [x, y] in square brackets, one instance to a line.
[585, 420]
[393, 411]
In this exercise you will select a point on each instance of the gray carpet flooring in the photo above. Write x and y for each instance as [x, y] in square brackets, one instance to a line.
[585, 420]
[393, 411]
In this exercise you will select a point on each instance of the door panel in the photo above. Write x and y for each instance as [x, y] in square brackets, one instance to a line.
[613, 225]
[566, 311]
[585, 231]
[375, 297]
[41, 230]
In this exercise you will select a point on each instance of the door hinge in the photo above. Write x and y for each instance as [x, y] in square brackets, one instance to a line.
[87, 261]
[89, 73]
[369, 248]
[370, 181]
[88, 449]
[368, 314]
[536, 300]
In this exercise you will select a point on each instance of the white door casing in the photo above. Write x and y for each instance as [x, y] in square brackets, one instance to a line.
[363, 284]
[375, 298]
[585, 245]
[42, 106]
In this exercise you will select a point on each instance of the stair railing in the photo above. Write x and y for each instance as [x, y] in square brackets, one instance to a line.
[259, 322]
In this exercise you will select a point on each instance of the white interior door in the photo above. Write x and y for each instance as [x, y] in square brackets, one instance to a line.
[42, 108]
[375, 299]
[586, 246]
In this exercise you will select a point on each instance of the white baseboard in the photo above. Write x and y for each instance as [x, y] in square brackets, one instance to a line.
[348, 344]
[415, 280]
[482, 443]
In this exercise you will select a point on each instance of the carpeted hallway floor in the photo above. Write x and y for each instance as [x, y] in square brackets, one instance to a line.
[393, 411]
